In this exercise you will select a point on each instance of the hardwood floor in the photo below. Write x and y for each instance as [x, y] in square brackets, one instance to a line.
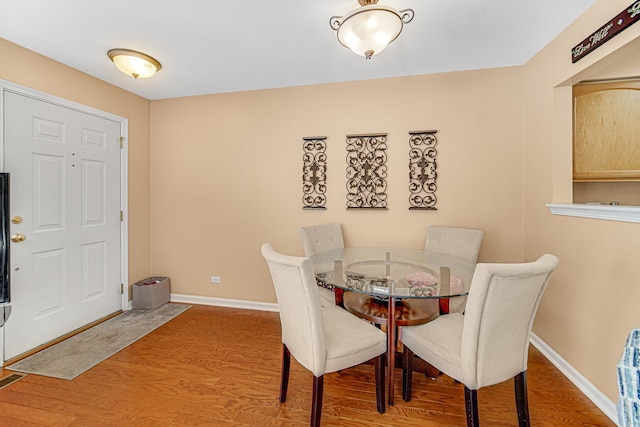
[214, 366]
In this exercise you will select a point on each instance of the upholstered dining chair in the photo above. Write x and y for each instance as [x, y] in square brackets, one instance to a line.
[320, 238]
[322, 339]
[463, 243]
[460, 242]
[489, 343]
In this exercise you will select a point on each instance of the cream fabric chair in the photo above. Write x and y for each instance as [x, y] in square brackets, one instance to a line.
[459, 242]
[322, 339]
[320, 238]
[463, 243]
[489, 343]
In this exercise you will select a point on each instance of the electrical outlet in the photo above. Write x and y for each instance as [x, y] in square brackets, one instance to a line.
[216, 279]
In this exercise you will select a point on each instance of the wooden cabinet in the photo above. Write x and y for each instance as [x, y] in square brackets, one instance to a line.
[606, 138]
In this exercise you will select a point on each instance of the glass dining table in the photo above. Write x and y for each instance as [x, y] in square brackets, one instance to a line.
[394, 287]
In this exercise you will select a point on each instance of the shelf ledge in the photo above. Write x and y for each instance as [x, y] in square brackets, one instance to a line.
[613, 213]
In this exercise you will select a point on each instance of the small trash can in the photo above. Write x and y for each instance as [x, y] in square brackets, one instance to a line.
[151, 292]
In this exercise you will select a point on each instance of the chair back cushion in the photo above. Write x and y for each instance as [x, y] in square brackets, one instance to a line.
[300, 308]
[499, 315]
[320, 238]
[458, 242]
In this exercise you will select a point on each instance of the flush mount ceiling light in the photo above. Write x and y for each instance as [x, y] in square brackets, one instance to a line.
[135, 64]
[370, 28]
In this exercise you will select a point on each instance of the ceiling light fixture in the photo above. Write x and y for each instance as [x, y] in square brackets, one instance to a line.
[370, 28]
[135, 64]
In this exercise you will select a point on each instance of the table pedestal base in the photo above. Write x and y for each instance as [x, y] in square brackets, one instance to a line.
[405, 312]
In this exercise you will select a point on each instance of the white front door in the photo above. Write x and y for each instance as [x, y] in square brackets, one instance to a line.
[64, 170]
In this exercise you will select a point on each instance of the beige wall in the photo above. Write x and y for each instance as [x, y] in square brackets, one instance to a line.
[26, 68]
[227, 172]
[592, 302]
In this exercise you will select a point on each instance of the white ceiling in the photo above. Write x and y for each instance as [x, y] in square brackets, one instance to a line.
[216, 46]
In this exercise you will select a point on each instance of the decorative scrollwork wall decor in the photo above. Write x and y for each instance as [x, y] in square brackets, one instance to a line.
[367, 171]
[422, 169]
[314, 172]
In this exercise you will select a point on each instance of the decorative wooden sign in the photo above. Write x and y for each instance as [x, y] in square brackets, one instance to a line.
[605, 33]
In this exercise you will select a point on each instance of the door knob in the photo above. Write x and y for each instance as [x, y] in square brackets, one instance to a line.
[18, 237]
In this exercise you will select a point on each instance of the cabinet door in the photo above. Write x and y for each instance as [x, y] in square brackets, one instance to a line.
[606, 143]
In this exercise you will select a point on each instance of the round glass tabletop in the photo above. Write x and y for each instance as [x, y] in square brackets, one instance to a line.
[398, 272]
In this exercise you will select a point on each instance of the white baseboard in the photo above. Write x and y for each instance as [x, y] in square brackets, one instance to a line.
[223, 302]
[586, 387]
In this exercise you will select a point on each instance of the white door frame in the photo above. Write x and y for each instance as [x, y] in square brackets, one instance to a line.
[6, 86]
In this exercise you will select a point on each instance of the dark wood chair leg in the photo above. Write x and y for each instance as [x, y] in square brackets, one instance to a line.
[379, 366]
[522, 401]
[316, 404]
[407, 373]
[284, 373]
[471, 405]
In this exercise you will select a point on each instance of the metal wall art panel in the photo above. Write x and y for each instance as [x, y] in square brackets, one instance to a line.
[367, 171]
[422, 169]
[314, 172]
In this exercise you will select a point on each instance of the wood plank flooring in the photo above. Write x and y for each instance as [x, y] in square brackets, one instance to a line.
[215, 366]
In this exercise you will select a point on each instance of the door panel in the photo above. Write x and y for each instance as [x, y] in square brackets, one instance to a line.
[94, 193]
[48, 190]
[48, 283]
[65, 178]
[94, 266]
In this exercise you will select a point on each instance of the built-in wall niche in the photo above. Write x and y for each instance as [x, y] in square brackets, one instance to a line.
[606, 193]
[571, 197]
[606, 142]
